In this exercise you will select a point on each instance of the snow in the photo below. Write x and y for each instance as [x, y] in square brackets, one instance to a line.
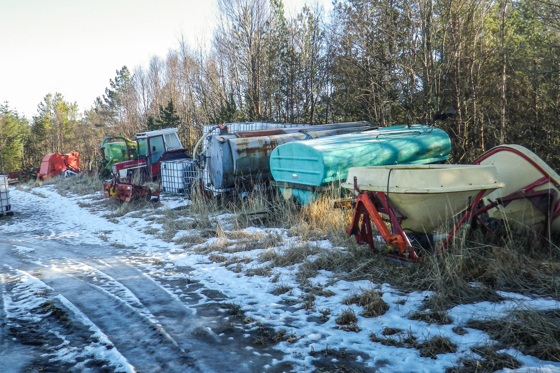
[253, 293]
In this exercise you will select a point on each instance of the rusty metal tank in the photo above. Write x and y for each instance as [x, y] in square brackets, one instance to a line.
[242, 155]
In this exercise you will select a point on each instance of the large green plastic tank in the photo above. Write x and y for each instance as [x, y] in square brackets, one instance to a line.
[303, 168]
[114, 152]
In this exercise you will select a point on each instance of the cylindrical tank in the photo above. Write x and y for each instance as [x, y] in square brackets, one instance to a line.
[232, 156]
[302, 168]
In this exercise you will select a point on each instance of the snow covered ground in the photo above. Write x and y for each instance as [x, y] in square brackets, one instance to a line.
[95, 273]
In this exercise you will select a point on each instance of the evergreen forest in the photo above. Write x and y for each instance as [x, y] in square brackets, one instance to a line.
[494, 64]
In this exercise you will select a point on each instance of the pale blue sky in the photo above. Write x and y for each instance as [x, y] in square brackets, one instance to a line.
[75, 46]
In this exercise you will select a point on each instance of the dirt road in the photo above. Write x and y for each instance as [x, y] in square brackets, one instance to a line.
[76, 303]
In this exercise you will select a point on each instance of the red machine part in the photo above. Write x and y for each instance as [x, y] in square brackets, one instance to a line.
[52, 165]
[56, 163]
[72, 161]
[124, 192]
[367, 209]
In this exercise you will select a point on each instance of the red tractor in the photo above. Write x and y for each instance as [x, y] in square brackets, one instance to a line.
[153, 147]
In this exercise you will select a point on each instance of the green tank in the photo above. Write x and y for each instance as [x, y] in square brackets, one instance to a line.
[304, 168]
[114, 152]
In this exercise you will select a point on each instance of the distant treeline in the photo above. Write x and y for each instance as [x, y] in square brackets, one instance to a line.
[495, 63]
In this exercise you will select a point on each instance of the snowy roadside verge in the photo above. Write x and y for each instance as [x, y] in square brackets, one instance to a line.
[315, 329]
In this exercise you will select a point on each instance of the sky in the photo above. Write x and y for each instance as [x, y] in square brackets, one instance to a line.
[75, 47]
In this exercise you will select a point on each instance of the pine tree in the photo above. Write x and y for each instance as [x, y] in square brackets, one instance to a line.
[13, 132]
[168, 118]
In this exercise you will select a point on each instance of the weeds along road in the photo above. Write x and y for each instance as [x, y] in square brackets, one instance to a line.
[71, 302]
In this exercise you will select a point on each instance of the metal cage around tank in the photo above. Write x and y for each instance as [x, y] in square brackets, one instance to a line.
[178, 176]
[5, 206]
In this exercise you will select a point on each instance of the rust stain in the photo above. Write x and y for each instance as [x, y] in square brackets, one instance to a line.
[270, 132]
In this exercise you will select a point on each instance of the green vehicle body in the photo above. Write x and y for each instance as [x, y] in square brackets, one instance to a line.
[114, 152]
[304, 168]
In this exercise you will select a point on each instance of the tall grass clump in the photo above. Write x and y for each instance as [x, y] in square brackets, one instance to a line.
[82, 184]
[263, 206]
[203, 206]
[477, 265]
[533, 332]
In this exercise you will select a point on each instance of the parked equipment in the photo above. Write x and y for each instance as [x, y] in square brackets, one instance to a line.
[414, 199]
[60, 164]
[178, 176]
[531, 196]
[5, 206]
[302, 169]
[507, 184]
[125, 192]
[19, 176]
[231, 157]
[153, 148]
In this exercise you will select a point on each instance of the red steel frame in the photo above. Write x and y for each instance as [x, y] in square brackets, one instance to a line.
[369, 205]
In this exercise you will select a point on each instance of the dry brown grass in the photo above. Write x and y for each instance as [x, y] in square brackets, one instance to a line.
[437, 345]
[432, 317]
[486, 360]
[347, 316]
[371, 301]
[253, 241]
[281, 289]
[82, 184]
[290, 256]
[348, 321]
[321, 220]
[283, 335]
[391, 331]
[219, 245]
[266, 207]
[515, 260]
[190, 240]
[119, 209]
[533, 332]
[217, 258]
[264, 271]
[396, 337]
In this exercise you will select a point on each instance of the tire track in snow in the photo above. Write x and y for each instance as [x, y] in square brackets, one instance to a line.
[155, 305]
[196, 332]
[37, 318]
[118, 314]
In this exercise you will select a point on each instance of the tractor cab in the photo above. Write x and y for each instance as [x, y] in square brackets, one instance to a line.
[156, 146]
[153, 148]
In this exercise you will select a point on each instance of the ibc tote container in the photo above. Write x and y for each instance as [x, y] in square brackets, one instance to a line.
[177, 176]
[5, 206]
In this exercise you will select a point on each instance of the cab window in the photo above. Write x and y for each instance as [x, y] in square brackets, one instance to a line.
[143, 147]
[172, 141]
[156, 148]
